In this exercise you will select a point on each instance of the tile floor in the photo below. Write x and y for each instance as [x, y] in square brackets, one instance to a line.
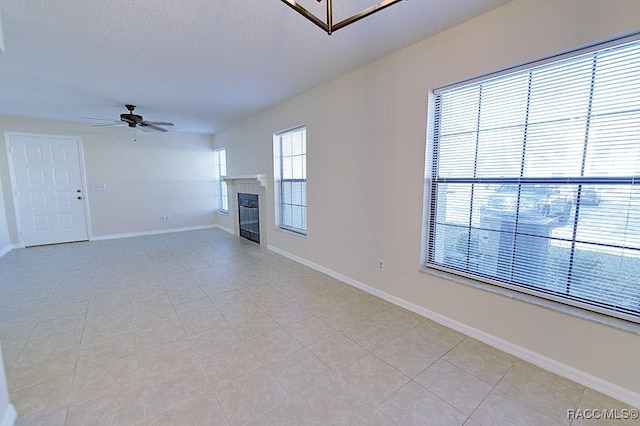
[203, 328]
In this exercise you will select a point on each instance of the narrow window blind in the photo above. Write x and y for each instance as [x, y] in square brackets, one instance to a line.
[533, 181]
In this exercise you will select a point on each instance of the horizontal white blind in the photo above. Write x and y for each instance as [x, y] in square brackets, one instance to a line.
[534, 179]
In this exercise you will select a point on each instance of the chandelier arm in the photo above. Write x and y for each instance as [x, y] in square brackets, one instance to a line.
[358, 16]
[304, 12]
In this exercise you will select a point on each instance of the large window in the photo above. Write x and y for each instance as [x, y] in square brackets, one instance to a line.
[291, 172]
[533, 180]
[221, 186]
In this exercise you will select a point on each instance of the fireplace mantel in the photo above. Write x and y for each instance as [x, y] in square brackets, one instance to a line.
[251, 178]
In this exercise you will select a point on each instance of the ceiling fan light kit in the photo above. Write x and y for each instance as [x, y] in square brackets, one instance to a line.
[328, 25]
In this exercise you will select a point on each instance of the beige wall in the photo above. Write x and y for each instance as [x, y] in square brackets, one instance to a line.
[160, 174]
[366, 158]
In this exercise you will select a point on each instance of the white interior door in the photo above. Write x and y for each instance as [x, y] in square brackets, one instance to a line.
[49, 189]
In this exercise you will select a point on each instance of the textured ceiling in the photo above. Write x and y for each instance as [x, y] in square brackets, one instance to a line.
[201, 64]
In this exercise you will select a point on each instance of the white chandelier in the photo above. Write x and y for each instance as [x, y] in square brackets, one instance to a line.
[328, 25]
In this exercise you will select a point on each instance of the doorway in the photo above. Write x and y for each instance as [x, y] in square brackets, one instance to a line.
[48, 188]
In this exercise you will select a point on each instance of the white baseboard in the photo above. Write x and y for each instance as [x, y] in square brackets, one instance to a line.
[9, 417]
[147, 233]
[224, 228]
[571, 373]
[6, 250]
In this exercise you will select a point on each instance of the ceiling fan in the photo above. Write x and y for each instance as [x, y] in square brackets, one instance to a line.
[135, 120]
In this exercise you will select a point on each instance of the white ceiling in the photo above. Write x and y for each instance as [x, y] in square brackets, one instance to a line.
[201, 64]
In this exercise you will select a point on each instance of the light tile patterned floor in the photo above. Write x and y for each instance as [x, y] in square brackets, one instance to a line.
[203, 328]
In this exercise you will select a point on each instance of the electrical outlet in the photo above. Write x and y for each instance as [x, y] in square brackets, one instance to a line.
[380, 264]
[162, 218]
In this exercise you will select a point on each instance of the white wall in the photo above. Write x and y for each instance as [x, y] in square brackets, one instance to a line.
[366, 153]
[160, 174]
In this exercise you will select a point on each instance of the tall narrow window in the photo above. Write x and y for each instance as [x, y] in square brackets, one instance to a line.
[533, 179]
[290, 149]
[221, 186]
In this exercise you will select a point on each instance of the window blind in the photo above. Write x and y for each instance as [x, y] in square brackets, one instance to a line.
[533, 180]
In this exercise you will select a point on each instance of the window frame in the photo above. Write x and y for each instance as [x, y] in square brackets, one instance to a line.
[432, 180]
[280, 181]
[222, 191]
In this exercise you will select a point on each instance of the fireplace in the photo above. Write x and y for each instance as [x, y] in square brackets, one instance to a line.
[249, 216]
[254, 226]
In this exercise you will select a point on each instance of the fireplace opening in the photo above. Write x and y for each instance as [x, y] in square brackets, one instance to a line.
[249, 217]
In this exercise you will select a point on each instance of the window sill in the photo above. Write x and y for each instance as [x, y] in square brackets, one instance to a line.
[290, 232]
[617, 323]
[222, 212]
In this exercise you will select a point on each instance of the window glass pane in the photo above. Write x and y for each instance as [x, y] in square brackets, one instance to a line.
[285, 141]
[287, 168]
[609, 215]
[560, 91]
[450, 245]
[296, 143]
[296, 217]
[297, 167]
[457, 155]
[606, 277]
[459, 111]
[454, 203]
[286, 215]
[613, 147]
[617, 84]
[500, 110]
[304, 193]
[304, 167]
[556, 268]
[555, 149]
[296, 193]
[304, 218]
[500, 152]
[286, 192]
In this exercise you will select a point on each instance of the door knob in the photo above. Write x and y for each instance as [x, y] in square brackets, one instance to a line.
[79, 198]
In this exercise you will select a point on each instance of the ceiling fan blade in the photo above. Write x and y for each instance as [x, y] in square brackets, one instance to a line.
[107, 125]
[100, 119]
[157, 123]
[151, 126]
